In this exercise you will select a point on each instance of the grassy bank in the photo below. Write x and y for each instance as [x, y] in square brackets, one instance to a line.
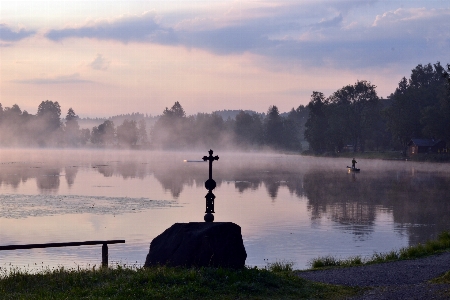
[442, 243]
[277, 281]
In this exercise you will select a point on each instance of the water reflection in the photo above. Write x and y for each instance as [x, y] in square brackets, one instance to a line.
[48, 180]
[416, 198]
[70, 174]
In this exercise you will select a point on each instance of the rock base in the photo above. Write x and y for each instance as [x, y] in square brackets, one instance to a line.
[195, 244]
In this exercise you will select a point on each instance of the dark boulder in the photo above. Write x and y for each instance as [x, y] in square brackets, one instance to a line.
[215, 244]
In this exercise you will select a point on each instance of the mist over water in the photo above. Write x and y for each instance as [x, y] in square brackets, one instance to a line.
[289, 207]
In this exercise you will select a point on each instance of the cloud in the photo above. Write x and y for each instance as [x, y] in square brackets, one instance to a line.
[334, 22]
[125, 29]
[63, 79]
[313, 33]
[100, 63]
[227, 40]
[8, 35]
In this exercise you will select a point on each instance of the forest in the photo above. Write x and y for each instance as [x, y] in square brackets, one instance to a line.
[353, 118]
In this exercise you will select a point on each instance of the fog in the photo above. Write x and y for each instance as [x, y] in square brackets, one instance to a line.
[247, 170]
[172, 130]
[267, 188]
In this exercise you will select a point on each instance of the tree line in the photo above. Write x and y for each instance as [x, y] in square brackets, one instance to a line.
[355, 117]
[175, 130]
[172, 130]
[47, 129]
[352, 117]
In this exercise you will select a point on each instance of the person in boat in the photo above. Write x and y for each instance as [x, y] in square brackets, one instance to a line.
[354, 163]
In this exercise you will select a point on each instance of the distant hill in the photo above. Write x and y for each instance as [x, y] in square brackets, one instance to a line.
[135, 117]
[90, 122]
[118, 120]
[225, 114]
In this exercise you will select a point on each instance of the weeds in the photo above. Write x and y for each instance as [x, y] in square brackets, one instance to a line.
[280, 266]
[442, 243]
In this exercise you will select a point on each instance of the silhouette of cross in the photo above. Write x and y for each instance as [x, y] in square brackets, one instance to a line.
[210, 158]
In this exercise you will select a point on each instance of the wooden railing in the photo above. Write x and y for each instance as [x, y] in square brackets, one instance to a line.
[70, 244]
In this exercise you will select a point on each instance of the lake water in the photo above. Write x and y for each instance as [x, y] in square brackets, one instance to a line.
[290, 208]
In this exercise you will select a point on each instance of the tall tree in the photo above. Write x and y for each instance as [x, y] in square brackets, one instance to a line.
[248, 129]
[419, 107]
[103, 134]
[176, 111]
[273, 128]
[171, 129]
[316, 126]
[356, 107]
[127, 133]
[142, 132]
[14, 127]
[294, 126]
[205, 130]
[50, 113]
[85, 136]
[48, 124]
[72, 129]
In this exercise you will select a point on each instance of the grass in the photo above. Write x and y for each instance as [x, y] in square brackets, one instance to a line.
[444, 279]
[276, 281]
[442, 243]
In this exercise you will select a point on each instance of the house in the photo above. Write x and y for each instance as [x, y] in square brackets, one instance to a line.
[416, 146]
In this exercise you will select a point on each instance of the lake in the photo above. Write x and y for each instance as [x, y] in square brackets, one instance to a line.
[290, 207]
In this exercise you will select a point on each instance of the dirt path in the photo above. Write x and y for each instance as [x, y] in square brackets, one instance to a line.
[406, 279]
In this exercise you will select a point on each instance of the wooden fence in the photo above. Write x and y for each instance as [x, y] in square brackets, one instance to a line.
[70, 244]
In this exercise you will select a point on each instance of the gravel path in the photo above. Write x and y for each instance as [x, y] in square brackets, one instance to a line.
[406, 279]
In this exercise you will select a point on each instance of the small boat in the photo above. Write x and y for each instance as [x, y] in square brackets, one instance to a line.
[191, 161]
[351, 169]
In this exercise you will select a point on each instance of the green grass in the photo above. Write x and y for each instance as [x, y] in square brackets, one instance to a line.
[431, 247]
[276, 281]
[442, 279]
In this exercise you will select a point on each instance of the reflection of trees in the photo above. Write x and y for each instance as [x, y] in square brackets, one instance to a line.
[346, 201]
[105, 170]
[128, 170]
[421, 198]
[14, 179]
[125, 169]
[173, 177]
[413, 198]
[352, 201]
[48, 180]
[273, 177]
[131, 170]
[14, 173]
[71, 173]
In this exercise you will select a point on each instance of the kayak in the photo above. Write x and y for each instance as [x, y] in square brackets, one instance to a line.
[353, 169]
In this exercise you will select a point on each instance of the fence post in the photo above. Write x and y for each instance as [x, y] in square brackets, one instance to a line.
[105, 255]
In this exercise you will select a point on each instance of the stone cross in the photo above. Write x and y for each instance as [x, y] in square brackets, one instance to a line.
[210, 184]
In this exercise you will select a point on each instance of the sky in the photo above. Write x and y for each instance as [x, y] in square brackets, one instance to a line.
[104, 58]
